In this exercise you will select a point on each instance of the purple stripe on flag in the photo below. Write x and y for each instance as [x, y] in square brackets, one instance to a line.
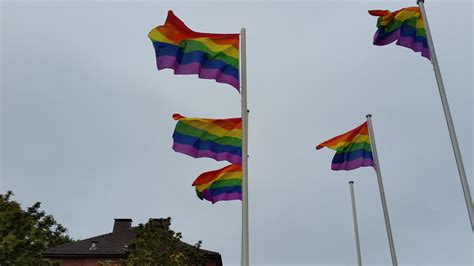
[353, 164]
[407, 42]
[196, 153]
[206, 195]
[388, 39]
[415, 46]
[221, 197]
[168, 61]
[228, 196]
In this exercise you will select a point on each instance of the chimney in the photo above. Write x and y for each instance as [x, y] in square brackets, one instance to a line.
[122, 224]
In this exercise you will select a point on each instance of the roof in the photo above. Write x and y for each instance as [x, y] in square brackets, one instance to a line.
[111, 245]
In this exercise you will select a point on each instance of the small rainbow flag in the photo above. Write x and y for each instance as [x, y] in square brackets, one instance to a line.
[352, 148]
[220, 139]
[404, 26]
[220, 185]
[210, 55]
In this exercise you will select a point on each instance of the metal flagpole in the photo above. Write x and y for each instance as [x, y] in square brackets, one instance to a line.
[356, 227]
[447, 114]
[245, 195]
[382, 192]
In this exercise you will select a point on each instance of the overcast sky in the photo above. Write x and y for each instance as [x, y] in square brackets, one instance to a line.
[86, 126]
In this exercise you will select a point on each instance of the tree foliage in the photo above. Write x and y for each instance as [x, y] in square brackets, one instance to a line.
[157, 244]
[24, 234]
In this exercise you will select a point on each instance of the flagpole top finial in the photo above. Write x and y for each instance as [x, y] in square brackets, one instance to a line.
[351, 182]
[368, 115]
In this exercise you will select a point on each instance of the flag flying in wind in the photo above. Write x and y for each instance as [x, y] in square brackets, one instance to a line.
[210, 55]
[404, 26]
[220, 139]
[219, 185]
[352, 148]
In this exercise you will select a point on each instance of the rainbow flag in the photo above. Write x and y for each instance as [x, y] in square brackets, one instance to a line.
[220, 139]
[210, 55]
[404, 26]
[352, 148]
[219, 185]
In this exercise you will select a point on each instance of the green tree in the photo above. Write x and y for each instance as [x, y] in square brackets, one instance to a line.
[157, 244]
[24, 234]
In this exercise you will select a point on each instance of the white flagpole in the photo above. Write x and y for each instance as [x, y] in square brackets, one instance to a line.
[382, 192]
[356, 227]
[447, 114]
[245, 195]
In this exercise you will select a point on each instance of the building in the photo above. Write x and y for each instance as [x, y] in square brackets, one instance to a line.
[107, 247]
